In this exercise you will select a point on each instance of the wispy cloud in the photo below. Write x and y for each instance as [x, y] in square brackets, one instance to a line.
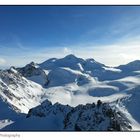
[67, 50]
[2, 61]
[120, 29]
[113, 54]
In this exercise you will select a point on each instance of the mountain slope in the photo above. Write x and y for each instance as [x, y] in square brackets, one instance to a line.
[19, 92]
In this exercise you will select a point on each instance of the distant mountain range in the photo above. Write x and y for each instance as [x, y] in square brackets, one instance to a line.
[70, 94]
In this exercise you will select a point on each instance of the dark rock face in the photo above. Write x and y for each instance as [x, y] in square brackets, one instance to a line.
[98, 118]
[89, 117]
[30, 70]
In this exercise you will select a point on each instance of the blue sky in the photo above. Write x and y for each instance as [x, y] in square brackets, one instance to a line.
[109, 34]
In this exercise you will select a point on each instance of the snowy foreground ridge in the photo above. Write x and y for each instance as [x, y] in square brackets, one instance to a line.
[70, 94]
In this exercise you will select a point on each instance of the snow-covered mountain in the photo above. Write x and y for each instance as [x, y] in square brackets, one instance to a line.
[34, 73]
[69, 61]
[61, 94]
[19, 92]
[132, 66]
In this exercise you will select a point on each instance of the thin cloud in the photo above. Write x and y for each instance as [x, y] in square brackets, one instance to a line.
[2, 61]
[111, 55]
[67, 50]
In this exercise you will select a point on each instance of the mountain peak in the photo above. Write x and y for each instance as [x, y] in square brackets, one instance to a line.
[32, 64]
[135, 62]
[13, 69]
[70, 56]
[131, 66]
[90, 60]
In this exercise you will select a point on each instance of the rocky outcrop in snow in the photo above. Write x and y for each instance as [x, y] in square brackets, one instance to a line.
[34, 73]
[89, 117]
